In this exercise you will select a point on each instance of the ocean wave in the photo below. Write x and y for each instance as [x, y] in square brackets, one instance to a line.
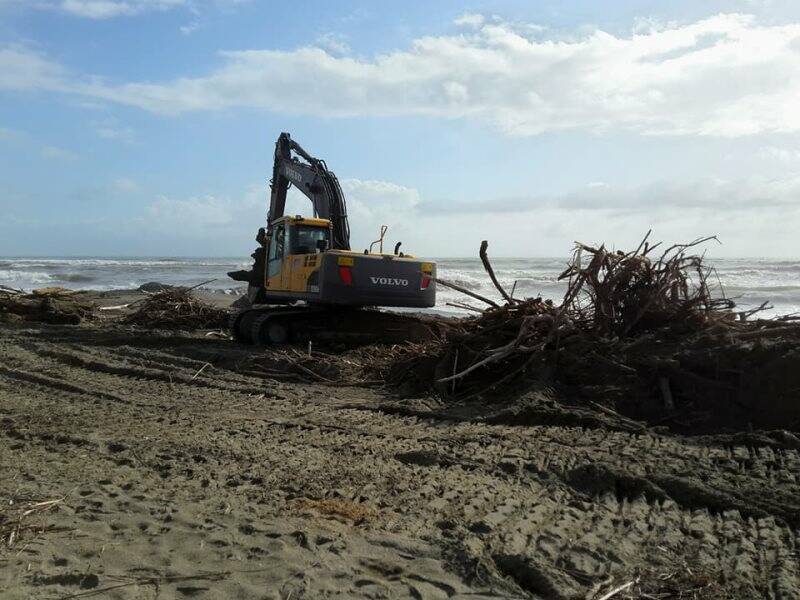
[26, 263]
[470, 284]
[523, 282]
[758, 275]
[231, 291]
[748, 281]
[755, 289]
[29, 277]
[74, 277]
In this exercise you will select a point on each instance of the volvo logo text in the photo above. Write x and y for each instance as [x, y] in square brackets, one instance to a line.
[293, 175]
[389, 281]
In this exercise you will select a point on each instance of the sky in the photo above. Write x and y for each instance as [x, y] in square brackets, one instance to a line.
[147, 127]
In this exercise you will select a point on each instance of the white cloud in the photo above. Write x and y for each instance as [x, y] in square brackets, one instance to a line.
[96, 9]
[760, 220]
[125, 184]
[230, 4]
[22, 69]
[110, 9]
[22, 4]
[122, 134]
[725, 75]
[189, 28]
[469, 20]
[107, 9]
[740, 196]
[776, 153]
[335, 43]
[56, 153]
[193, 215]
[372, 203]
[753, 216]
[226, 219]
[741, 212]
[7, 134]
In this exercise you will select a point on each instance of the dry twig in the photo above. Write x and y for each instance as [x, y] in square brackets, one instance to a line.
[177, 308]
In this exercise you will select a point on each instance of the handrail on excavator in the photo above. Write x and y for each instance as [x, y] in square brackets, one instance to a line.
[384, 228]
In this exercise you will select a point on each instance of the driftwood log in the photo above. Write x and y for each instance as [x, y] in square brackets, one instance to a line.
[47, 305]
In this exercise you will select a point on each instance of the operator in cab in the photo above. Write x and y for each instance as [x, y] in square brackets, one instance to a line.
[310, 240]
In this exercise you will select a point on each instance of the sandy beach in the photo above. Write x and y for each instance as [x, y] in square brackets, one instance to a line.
[141, 464]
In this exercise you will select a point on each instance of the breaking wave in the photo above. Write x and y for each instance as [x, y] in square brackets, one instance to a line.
[749, 281]
[75, 277]
[8, 276]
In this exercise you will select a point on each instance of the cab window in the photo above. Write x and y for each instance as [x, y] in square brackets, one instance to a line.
[306, 238]
[276, 251]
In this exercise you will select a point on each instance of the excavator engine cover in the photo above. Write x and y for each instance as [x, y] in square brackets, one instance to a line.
[375, 280]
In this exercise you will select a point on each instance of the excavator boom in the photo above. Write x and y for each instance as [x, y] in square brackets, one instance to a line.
[311, 177]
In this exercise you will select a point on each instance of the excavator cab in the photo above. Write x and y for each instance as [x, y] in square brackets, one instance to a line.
[292, 249]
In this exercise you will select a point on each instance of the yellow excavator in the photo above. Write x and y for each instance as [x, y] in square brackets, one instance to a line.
[307, 283]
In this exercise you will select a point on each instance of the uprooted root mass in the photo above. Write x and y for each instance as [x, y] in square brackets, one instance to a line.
[637, 333]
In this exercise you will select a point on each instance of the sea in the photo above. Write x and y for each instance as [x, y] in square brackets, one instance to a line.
[749, 282]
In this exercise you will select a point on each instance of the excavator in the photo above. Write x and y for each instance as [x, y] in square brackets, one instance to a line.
[307, 283]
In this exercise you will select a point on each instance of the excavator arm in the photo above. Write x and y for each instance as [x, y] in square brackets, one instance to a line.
[312, 177]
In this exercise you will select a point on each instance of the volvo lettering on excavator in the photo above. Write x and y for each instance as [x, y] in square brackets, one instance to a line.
[307, 283]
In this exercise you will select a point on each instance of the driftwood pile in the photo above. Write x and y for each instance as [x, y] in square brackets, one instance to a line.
[176, 308]
[353, 367]
[637, 333]
[46, 305]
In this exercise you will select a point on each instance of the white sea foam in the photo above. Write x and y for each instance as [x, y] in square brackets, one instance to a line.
[749, 281]
[25, 263]
[23, 279]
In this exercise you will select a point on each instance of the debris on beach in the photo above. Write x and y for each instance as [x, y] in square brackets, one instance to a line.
[53, 305]
[176, 308]
[152, 287]
[23, 521]
[291, 364]
[644, 338]
[359, 366]
[638, 335]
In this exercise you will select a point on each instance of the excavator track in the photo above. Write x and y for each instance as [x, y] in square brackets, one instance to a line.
[252, 325]
[271, 325]
[234, 326]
